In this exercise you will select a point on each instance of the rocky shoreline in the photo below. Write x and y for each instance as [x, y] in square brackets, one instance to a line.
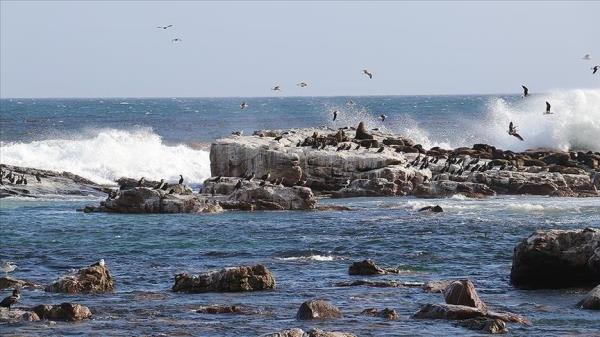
[290, 169]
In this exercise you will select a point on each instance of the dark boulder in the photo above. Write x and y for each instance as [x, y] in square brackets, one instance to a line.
[233, 279]
[462, 292]
[591, 300]
[361, 132]
[318, 309]
[93, 279]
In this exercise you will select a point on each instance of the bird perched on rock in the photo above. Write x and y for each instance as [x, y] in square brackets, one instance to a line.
[160, 185]
[381, 149]
[7, 266]
[250, 176]
[548, 106]
[37, 177]
[141, 181]
[180, 179]
[266, 176]
[525, 91]
[368, 73]
[12, 299]
[238, 185]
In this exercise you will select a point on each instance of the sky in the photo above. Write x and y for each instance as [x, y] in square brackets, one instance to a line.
[113, 49]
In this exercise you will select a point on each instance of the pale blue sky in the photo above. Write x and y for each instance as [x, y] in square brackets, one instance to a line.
[105, 49]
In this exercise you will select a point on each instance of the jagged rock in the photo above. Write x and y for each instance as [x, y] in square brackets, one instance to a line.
[484, 324]
[233, 279]
[446, 188]
[462, 292]
[93, 279]
[11, 282]
[52, 183]
[557, 259]
[368, 267]
[508, 317]
[147, 200]
[62, 312]
[436, 286]
[591, 300]
[318, 309]
[386, 313]
[447, 311]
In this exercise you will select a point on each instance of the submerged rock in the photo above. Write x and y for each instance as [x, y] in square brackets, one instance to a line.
[232, 279]
[11, 282]
[436, 286]
[17, 315]
[591, 300]
[434, 209]
[378, 284]
[221, 309]
[557, 259]
[368, 267]
[296, 332]
[93, 279]
[318, 309]
[447, 311]
[484, 324]
[386, 313]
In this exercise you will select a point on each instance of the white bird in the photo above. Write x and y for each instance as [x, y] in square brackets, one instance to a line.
[302, 84]
[7, 266]
[243, 105]
[586, 57]
[164, 27]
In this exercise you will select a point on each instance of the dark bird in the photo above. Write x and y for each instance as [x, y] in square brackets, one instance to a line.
[180, 179]
[237, 133]
[262, 183]
[302, 84]
[335, 112]
[595, 69]
[548, 106]
[12, 299]
[243, 105]
[383, 117]
[276, 88]
[176, 40]
[381, 149]
[238, 185]
[525, 91]
[37, 177]
[164, 27]
[586, 57]
[266, 176]
[512, 130]
[160, 185]
[301, 183]
[357, 147]
[141, 181]
[278, 138]
[171, 191]
[368, 73]
[250, 176]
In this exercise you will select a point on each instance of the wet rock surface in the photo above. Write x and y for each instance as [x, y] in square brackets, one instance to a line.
[11, 282]
[318, 309]
[557, 259]
[591, 300]
[233, 279]
[386, 313]
[368, 267]
[93, 279]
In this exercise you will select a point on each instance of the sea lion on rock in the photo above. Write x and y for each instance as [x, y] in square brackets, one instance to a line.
[361, 132]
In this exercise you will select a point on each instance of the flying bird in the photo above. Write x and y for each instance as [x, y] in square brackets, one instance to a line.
[164, 27]
[368, 73]
[525, 91]
[243, 105]
[595, 69]
[512, 130]
[383, 117]
[586, 57]
[237, 133]
[548, 106]
[276, 88]
[335, 112]
[176, 40]
[302, 84]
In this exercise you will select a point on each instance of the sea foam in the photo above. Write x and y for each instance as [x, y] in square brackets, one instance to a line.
[108, 154]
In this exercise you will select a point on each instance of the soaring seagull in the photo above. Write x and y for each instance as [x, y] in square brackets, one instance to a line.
[548, 106]
[512, 130]
[383, 117]
[176, 40]
[595, 69]
[525, 91]
[164, 27]
[243, 105]
[302, 84]
[276, 88]
[586, 57]
[368, 73]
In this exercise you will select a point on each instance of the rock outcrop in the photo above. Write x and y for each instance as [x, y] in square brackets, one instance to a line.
[447, 311]
[484, 324]
[462, 292]
[591, 300]
[296, 332]
[93, 279]
[51, 183]
[368, 267]
[318, 309]
[233, 279]
[11, 282]
[62, 312]
[386, 313]
[557, 259]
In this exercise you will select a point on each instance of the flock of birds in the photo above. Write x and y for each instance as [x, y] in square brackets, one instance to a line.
[16, 179]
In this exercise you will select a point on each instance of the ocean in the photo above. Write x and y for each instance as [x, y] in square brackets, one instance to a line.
[307, 251]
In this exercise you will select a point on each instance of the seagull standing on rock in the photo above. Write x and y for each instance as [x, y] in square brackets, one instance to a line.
[7, 266]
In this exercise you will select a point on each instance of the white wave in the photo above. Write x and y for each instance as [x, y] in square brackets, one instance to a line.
[106, 155]
[525, 207]
[574, 124]
[310, 257]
